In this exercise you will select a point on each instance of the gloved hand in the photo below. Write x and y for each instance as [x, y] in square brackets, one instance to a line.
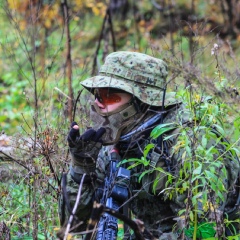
[73, 134]
[85, 147]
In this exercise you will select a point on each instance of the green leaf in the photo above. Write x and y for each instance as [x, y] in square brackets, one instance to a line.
[229, 238]
[212, 169]
[207, 98]
[217, 164]
[135, 161]
[219, 128]
[180, 213]
[220, 195]
[133, 165]
[181, 173]
[198, 170]
[157, 179]
[236, 132]
[162, 128]
[194, 200]
[198, 128]
[147, 149]
[184, 155]
[191, 216]
[41, 236]
[209, 150]
[130, 160]
[143, 174]
[170, 136]
[185, 186]
[189, 151]
[3, 118]
[162, 171]
[236, 150]
[197, 187]
[122, 162]
[204, 231]
[211, 176]
[204, 141]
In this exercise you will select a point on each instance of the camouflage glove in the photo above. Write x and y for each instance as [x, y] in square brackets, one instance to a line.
[84, 148]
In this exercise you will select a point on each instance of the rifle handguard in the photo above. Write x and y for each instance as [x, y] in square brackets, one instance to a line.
[115, 194]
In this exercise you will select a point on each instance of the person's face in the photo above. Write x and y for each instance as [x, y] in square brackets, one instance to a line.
[109, 99]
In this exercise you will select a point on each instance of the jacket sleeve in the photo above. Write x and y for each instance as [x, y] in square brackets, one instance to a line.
[94, 174]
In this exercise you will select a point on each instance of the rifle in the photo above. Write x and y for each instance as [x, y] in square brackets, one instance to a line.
[115, 193]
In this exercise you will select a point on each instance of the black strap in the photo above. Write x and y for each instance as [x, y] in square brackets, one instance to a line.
[78, 177]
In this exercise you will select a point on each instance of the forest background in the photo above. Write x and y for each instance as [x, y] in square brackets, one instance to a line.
[48, 47]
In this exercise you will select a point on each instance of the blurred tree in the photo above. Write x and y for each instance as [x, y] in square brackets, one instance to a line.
[230, 10]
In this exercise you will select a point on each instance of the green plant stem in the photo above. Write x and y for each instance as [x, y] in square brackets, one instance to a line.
[195, 214]
[235, 143]
[195, 223]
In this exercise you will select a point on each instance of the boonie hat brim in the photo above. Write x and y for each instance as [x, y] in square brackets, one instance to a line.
[150, 95]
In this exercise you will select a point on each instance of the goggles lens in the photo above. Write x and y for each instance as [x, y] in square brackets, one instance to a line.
[107, 96]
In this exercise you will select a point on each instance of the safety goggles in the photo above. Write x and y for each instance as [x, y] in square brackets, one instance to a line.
[108, 96]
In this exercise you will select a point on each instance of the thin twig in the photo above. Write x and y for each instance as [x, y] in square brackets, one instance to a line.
[65, 95]
[99, 43]
[75, 105]
[68, 57]
[111, 30]
[74, 208]
[14, 160]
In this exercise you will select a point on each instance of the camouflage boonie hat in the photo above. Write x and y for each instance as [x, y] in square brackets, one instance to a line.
[136, 73]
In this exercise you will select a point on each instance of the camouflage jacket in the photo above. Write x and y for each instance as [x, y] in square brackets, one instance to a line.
[158, 213]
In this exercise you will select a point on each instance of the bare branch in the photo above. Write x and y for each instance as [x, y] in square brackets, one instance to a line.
[75, 207]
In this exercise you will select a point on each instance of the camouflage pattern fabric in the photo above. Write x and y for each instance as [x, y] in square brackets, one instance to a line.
[115, 123]
[137, 73]
[84, 209]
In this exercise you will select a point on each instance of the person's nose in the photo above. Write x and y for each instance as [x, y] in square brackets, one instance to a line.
[100, 105]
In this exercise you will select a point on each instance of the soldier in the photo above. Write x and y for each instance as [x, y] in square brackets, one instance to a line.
[130, 100]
